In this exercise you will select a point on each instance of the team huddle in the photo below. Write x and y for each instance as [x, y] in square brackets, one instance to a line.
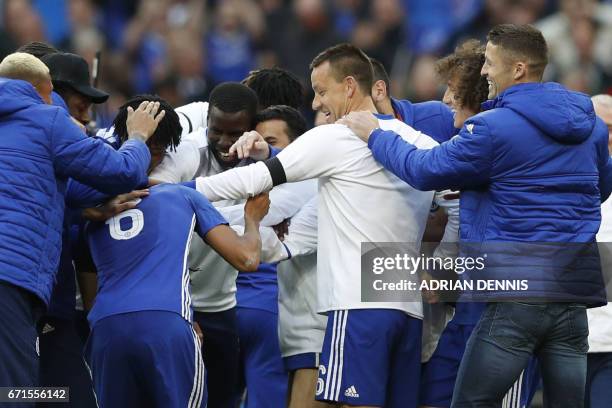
[263, 305]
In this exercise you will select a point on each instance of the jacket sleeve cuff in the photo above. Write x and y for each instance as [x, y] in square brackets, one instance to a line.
[373, 136]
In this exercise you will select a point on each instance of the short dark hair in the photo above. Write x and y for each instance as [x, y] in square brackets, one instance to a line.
[347, 60]
[168, 132]
[380, 73]
[275, 86]
[463, 67]
[296, 124]
[38, 49]
[523, 41]
[232, 97]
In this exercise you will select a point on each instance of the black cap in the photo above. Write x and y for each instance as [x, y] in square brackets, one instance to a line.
[72, 70]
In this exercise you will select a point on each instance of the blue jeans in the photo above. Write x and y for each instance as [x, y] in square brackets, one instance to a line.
[505, 338]
[599, 379]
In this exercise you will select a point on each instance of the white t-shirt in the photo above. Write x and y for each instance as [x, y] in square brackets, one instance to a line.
[600, 319]
[359, 201]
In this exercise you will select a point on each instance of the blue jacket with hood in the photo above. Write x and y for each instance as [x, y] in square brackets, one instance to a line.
[40, 149]
[532, 167]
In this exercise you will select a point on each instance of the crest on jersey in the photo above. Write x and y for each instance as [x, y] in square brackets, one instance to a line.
[470, 127]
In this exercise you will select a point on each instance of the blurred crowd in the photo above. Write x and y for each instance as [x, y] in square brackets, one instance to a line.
[180, 49]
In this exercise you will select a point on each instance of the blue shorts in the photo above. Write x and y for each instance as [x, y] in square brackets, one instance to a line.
[221, 354]
[19, 312]
[148, 358]
[440, 372]
[300, 361]
[371, 357]
[262, 365]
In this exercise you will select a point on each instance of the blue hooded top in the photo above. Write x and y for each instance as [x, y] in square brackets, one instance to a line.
[533, 167]
[39, 150]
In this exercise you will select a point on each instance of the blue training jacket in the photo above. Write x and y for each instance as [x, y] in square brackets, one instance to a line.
[40, 149]
[532, 167]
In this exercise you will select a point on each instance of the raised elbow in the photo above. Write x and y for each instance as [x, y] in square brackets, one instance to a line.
[249, 262]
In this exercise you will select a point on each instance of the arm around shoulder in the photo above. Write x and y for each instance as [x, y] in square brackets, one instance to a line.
[463, 161]
[95, 163]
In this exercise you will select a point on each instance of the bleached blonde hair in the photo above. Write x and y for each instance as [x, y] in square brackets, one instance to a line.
[20, 65]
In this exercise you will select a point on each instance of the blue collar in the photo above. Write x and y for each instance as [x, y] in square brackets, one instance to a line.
[384, 117]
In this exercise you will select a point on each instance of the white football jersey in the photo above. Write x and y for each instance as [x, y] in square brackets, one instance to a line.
[359, 201]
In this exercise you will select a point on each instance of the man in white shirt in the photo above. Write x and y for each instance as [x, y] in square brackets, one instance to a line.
[371, 352]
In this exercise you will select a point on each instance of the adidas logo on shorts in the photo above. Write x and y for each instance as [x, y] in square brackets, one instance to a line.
[47, 328]
[351, 392]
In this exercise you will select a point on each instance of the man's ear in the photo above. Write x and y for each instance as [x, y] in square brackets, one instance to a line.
[379, 91]
[351, 85]
[520, 70]
[44, 89]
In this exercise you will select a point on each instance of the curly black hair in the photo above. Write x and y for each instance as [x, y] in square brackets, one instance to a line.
[463, 68]
[168, 132]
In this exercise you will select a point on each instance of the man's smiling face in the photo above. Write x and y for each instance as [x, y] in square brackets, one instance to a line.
[330, 95]
[224, 129]
[497, 70]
